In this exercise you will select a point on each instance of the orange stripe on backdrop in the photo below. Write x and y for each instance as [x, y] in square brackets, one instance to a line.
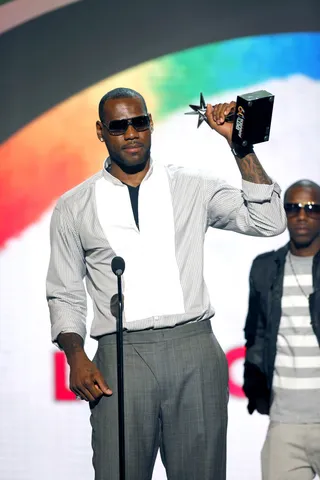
[54, 153]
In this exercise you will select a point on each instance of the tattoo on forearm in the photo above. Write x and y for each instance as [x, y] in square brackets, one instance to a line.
[252, 170]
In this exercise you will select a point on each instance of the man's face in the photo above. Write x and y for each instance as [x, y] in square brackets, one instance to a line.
[132, 148]
[303, 228]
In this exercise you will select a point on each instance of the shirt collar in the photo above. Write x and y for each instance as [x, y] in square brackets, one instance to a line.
[116, 181]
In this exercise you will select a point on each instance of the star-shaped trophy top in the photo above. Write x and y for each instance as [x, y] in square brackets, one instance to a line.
[199, 110]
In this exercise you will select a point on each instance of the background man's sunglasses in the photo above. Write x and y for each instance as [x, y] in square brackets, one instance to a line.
[119, 127]
[311, 209]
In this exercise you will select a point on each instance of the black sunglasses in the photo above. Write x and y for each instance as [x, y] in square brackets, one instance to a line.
[311, 209]
[119, 127]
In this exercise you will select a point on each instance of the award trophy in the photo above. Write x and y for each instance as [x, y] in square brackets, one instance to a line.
[251, 117]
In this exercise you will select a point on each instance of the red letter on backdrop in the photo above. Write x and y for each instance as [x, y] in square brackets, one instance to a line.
[232, 356]
[61, 390]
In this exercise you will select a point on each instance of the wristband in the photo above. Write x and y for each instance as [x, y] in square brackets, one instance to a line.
[240, 151]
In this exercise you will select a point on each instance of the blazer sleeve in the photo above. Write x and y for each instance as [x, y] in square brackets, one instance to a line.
[255, 381]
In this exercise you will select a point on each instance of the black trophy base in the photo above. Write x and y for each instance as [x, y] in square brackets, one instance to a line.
[252, 118]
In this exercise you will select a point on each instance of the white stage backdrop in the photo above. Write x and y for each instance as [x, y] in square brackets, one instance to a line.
[45, 433]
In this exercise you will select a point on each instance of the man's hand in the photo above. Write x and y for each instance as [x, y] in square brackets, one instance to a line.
[86, 381]
[216, 118]
[249, 165]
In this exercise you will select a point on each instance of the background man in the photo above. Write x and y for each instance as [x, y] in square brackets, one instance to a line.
[155, 217]
[282, 366]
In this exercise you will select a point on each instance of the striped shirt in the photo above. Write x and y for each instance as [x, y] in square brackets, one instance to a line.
[163, 282]
[296, 383]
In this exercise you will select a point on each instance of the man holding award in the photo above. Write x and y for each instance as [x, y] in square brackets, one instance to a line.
[155, 217]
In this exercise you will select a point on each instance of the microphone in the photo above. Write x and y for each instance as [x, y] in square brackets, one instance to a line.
[118, 266]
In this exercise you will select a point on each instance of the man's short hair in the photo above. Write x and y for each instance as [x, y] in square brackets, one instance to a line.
[119, 93]
[302, 184]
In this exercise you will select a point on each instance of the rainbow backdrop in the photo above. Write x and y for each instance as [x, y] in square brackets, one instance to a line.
[59, 149]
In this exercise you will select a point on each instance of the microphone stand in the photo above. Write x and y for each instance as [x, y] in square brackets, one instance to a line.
[120, 381]
[118, 266]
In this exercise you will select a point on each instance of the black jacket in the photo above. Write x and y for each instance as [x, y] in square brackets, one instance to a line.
[263, 320]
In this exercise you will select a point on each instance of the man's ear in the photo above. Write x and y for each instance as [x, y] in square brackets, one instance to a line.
[99, 131]
[151, 123]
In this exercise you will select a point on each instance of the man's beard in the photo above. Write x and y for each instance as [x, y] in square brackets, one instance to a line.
[300, 245]
[128, 167]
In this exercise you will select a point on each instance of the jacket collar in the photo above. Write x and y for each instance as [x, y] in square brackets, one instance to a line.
[280, 255]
